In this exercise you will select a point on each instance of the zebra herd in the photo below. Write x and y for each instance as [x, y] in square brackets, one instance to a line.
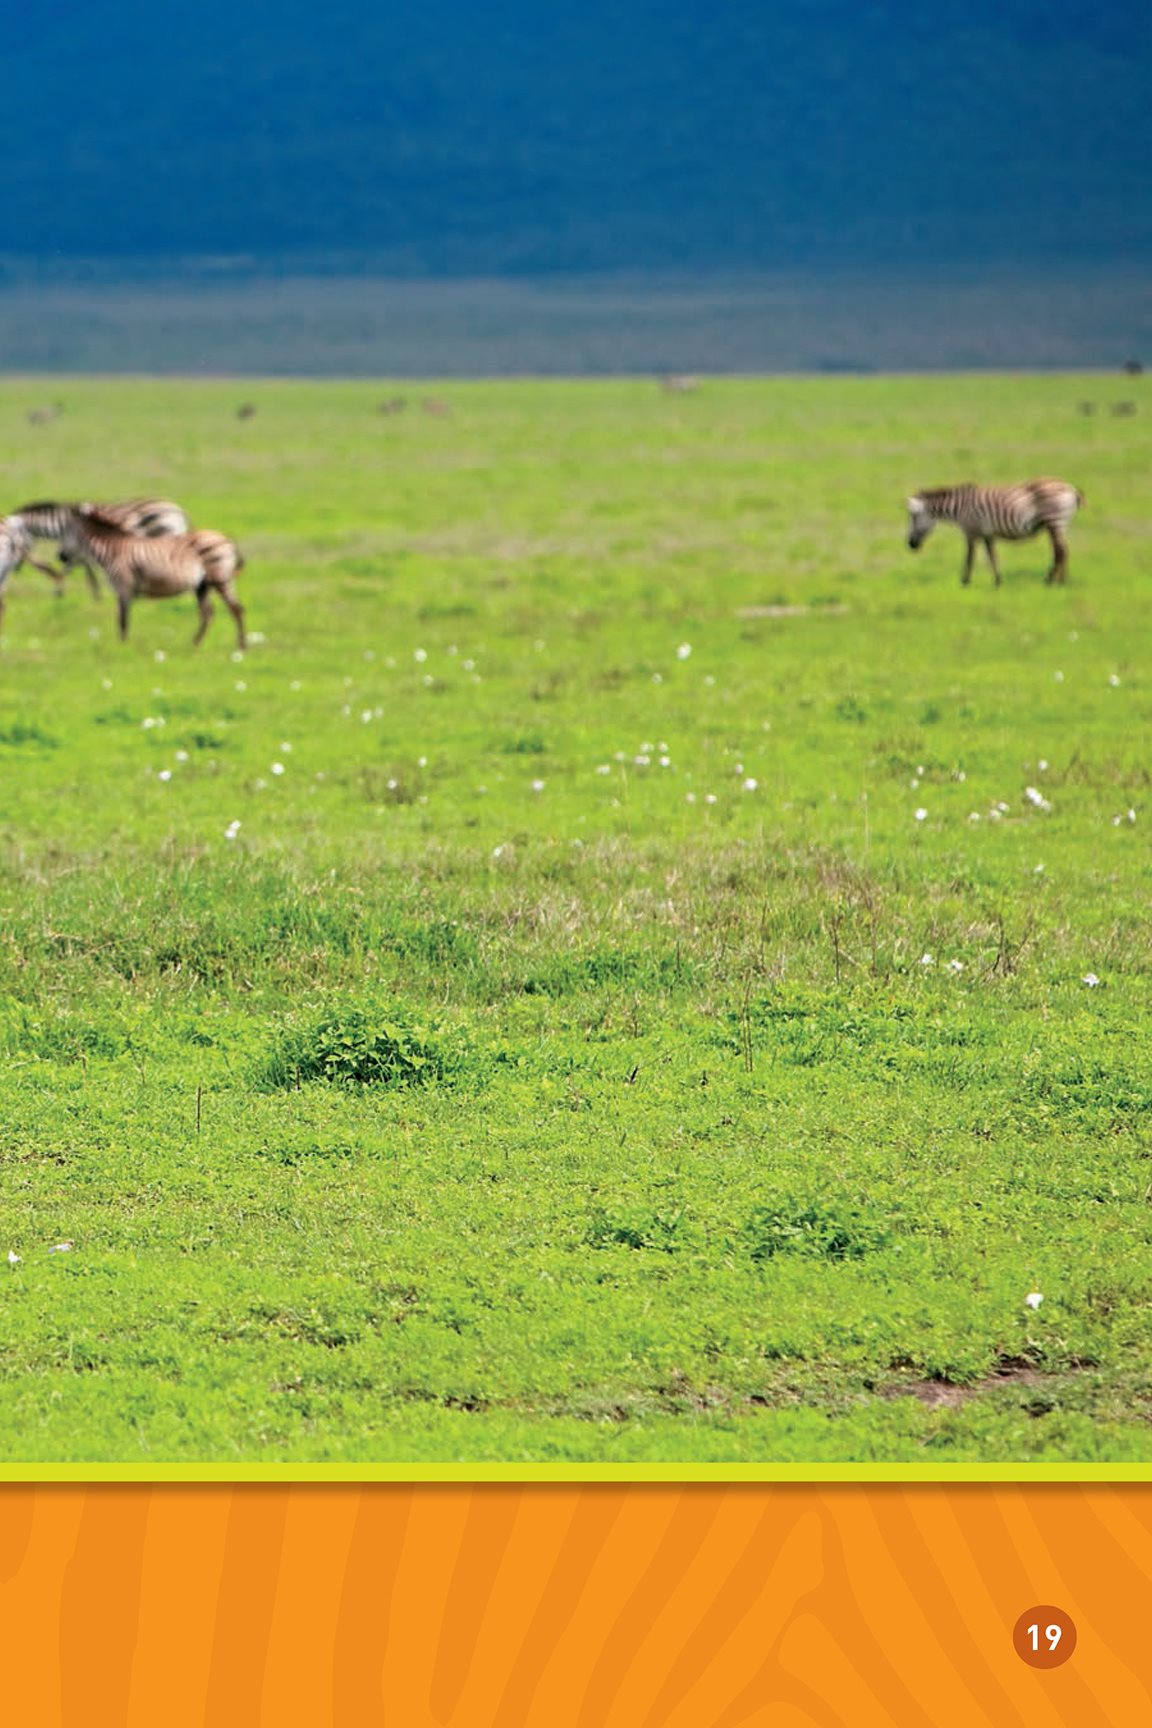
[145, 548]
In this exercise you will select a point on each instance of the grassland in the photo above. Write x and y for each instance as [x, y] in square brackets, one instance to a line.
[592, 982]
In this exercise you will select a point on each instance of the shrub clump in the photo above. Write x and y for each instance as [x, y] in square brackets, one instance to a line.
[821, 1228]
[635, 1227]
[357, 1049]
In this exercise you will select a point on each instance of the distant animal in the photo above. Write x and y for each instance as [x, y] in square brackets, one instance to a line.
[1133, 368]
[679, 385]
[203, 563]
[989, 513]
[15, 549]
[245, 410]
[1087, 408]
[392, 405]
[42, 416]
[1123, 409]
[433, 405]
[51, 520]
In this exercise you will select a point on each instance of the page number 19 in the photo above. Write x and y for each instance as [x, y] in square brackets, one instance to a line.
[1044, 1636]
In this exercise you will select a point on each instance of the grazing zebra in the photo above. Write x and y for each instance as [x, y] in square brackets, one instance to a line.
[147, 517]
[991, 513]
[201, 563]
[15, 549]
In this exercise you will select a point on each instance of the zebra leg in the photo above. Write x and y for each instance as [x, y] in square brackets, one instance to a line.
[123, 604]
[204, 601]
[966, 573]
[93, 581]
[55, 576]
[1059, 570]
[991, 551]
[227, 594]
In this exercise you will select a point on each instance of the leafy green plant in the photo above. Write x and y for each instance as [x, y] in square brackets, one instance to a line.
[822, 1227]
[356, 1048]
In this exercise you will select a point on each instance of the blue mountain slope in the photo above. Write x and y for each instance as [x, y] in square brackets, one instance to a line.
[446, 137]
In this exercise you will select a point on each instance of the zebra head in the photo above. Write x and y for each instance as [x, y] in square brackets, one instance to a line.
[920, 523]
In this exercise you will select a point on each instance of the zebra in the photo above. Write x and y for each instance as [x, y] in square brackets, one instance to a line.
[147, 517]
[201, 563]
[15, 549]
[991, 513]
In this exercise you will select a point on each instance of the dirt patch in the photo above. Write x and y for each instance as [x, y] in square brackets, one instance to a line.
[944, 1395]
[832, 610]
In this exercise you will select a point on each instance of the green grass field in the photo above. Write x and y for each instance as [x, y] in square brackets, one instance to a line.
[474, 1027]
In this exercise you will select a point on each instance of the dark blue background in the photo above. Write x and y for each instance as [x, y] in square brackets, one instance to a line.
[522, 136]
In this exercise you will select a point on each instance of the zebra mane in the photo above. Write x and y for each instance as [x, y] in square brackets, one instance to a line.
[93, 517]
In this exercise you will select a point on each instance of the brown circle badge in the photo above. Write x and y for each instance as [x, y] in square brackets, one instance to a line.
[1044, 1636]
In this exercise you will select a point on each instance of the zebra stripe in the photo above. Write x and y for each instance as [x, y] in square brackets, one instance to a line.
[203, 563]
[52, 520]
[988, 513]
[15, 547]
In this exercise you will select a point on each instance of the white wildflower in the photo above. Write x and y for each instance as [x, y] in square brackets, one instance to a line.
[164, 774]
[604, 768]
[420, 655]
[684, 651]
[955, 965]
[277, 767]
[921, 815]
[1090, 979]
[537, 785]
[13, 1257]
[927, 960]
[749, 785]
[1033, 1300]
[159, 656]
